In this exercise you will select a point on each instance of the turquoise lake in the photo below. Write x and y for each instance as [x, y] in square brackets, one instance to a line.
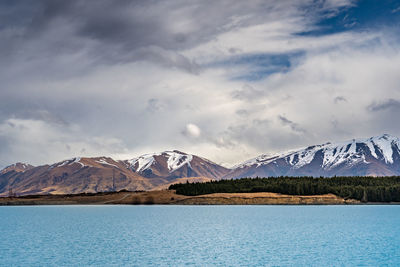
[200, 236]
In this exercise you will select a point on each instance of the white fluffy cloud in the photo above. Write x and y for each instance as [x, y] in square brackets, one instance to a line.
[192, 130]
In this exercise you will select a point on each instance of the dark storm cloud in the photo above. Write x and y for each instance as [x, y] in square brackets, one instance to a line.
[123, 31]
[112, 32]
[384, 105]
[124, 25]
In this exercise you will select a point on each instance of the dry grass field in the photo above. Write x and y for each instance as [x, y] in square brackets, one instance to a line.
[170, 197]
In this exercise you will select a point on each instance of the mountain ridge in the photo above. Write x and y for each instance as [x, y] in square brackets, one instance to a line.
[378, 155]
[374, 156]
[104, 174]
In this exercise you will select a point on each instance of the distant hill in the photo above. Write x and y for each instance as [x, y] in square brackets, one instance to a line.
[73, 176]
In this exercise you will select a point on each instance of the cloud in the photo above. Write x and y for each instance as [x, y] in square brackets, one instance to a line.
[38, 141]
[384, 105]
[125, 78]
[242, 112]
[339, 99]
[294, 126]
[192, 130]
[154, 105]
[396, 10]
[247, 92]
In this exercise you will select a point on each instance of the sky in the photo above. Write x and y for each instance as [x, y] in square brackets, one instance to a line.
[226, 80]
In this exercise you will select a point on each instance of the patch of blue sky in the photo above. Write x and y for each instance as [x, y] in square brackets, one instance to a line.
[259, 66]
[363, 15]
[256, 74]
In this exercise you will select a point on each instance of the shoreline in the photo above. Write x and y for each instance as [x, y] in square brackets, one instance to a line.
[169, 197]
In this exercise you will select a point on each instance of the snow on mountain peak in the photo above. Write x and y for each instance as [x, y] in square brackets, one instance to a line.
[334, 154]
[260, 160]
[144, 162]
[385, 143]
[104, 161]
[175, 160]
[72, 161]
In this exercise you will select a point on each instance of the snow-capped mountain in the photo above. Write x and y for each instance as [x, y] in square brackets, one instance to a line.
[103, 174]
[175, 164]
[379, 155]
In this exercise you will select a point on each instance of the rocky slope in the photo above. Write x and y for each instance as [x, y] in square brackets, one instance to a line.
[73, 176]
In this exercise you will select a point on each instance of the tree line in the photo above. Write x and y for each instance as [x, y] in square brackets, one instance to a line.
[366, 189]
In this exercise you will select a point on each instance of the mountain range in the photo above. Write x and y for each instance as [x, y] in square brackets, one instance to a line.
[375, 156]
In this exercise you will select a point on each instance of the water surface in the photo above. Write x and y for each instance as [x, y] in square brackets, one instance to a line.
[200, 235]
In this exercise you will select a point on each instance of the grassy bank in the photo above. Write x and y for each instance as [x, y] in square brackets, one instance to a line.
[170, 197]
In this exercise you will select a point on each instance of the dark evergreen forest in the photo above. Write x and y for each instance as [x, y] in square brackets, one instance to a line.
[366, 189]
